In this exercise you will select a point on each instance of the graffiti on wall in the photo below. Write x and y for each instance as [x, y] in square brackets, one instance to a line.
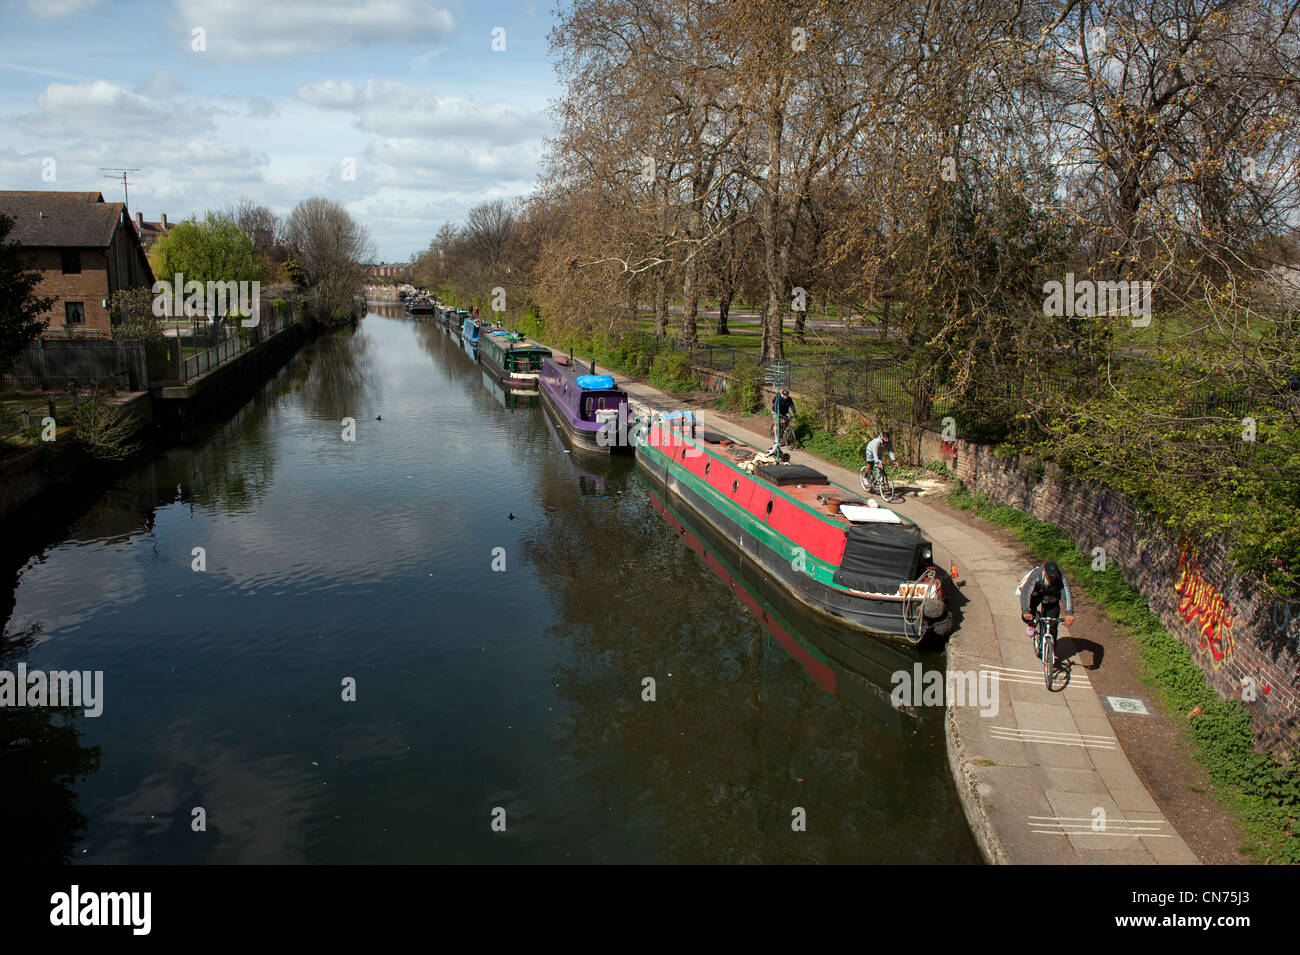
[1286, 624]
[1113, 519]
[1201, 605]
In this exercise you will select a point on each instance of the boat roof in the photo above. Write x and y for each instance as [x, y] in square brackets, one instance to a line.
[574, 371]
[802, 484]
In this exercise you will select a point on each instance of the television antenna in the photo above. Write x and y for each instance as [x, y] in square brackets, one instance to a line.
[118, 173]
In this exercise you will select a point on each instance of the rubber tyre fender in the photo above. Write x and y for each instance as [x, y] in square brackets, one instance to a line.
[933, 608]
[944, 625]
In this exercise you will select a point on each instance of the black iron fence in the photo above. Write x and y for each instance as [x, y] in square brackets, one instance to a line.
[179, 359]
[32, 415]
[875, 386]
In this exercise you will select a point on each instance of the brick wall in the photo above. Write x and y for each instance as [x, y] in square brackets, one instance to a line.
[1240, 637]
[90, 287]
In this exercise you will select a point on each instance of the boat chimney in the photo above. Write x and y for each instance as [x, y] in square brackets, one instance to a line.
[593, 366]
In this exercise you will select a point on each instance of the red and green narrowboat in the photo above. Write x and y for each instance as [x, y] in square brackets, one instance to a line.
[866, 567]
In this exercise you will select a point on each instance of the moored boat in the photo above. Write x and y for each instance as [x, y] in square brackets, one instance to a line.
[511, 359]
[866, 567]
[471, 332]
[590, 409]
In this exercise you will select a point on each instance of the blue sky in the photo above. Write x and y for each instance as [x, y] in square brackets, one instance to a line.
[281, 96]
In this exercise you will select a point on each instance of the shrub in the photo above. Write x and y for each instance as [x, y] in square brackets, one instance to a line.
[673, 371]
[104, 430]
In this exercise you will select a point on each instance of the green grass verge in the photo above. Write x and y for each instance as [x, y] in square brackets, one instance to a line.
[1259, 790]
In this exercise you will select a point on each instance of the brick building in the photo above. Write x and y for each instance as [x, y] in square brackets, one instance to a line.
[388, 270]
[85, 248]
[150, 232]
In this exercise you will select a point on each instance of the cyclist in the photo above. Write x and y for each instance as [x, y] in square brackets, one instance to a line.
[1043, 592]
[782, 409]
[876, 445]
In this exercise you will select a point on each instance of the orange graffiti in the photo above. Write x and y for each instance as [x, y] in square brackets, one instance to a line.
[1204, 607]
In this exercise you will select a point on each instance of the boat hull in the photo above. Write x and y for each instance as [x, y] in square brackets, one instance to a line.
[521, 384]
[880, 616]
[580, 439]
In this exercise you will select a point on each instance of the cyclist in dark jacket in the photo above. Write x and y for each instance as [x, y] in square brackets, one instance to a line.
[782, 409]
[1044, 591]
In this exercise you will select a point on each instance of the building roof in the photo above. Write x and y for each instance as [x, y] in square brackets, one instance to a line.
[62, 219]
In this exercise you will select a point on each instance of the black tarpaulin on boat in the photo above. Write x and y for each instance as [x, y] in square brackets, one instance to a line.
[781, 474]
[879, 557]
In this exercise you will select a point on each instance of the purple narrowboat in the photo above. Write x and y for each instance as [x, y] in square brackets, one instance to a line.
[591, 411]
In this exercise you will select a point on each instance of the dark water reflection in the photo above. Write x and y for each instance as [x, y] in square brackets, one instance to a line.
[520, 689]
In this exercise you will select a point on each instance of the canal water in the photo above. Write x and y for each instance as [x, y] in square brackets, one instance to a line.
[516, 694]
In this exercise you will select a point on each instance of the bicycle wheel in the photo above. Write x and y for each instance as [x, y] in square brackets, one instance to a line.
[886, 487]
[1049, 655]
[864, 477]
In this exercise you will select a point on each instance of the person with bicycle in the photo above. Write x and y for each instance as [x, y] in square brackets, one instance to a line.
[876, 445]
[782, 409]
[1043, 593]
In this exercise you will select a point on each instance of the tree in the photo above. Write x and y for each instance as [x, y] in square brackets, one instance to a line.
[135, 308]
[20, 309]
[330, 247]
[214, 250]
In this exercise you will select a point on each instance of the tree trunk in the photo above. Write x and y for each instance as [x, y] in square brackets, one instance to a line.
[724, 307]
[690, 303]
[661, 307]
[773, 326]
[799, 318]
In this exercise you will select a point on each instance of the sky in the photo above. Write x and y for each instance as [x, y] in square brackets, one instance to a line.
[401, 110]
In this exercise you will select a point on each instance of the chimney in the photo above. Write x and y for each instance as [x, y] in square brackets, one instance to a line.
[139, 221]
[164, 221]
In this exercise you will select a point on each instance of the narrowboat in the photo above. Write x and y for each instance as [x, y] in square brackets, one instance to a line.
[511, 359]
[471, 332]
[864, 566]
[421, 310]
[454, 323]
[590, 410]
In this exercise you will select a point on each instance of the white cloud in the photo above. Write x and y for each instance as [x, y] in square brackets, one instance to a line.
[58, 9]
[328, 93]
[161, 84]
[410, 111]
[415, 162]
[100, 109]
[256, 29]
[407, 111]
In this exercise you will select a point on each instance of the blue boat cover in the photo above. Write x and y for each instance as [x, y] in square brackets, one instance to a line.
[674, 415]
[592, 382]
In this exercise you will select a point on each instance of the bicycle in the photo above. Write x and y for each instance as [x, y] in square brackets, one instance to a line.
[788, 440]
[1045, 645]
[881, 484]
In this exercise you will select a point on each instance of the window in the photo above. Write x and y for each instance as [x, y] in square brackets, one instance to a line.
[75, 313]
[71, 261]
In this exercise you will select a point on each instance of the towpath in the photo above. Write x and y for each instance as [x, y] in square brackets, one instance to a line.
[1043, 780]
